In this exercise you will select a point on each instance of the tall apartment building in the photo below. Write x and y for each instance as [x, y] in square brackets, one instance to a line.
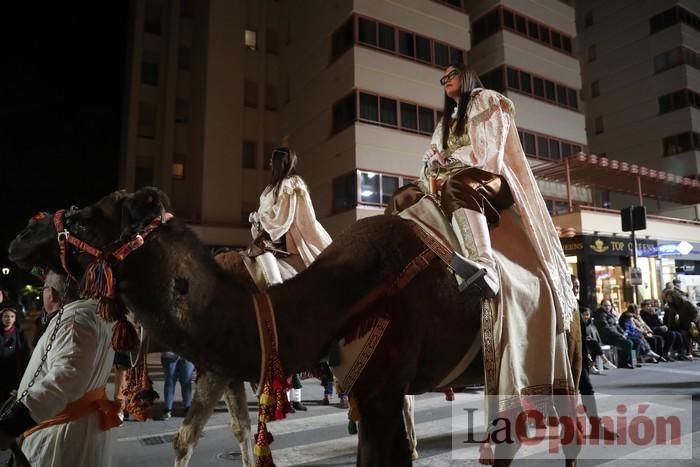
[527, 50]
[352, 84]
[640, 62]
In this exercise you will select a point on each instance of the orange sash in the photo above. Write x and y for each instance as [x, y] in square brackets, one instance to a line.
[91, 401]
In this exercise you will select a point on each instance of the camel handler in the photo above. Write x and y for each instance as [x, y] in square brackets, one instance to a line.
[62, 411]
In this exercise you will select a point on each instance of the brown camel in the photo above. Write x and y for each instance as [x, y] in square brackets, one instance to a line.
[189, 304]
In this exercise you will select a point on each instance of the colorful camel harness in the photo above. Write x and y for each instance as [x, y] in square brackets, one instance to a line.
[272, 403]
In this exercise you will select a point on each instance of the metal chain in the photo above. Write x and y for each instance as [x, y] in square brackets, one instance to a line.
[49, 345]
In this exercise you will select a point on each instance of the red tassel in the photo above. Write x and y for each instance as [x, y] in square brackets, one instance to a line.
[110, 309]
[98, 281]
[124, 337]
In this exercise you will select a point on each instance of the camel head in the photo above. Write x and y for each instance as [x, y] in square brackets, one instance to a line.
[103, 225]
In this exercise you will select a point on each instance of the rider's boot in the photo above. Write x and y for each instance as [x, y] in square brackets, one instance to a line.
[476, 265]
[270, 268]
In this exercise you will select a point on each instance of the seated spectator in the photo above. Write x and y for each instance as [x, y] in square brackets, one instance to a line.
[632, 333]
[612, 334]
[594, 342]
[673, 340]
[655, 342]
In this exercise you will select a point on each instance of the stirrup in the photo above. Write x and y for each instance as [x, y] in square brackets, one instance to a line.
[474, 276]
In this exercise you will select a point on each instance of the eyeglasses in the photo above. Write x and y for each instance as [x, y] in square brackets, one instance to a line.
[448, 76]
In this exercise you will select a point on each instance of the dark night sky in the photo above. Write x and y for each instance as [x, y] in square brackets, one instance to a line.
[61, 99]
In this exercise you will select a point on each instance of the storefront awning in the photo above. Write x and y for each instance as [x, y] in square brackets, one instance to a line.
[601, 173]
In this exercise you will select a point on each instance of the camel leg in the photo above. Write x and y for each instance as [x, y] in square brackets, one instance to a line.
[208, 390]
[237, 404]
[409, 403]
[382, 435]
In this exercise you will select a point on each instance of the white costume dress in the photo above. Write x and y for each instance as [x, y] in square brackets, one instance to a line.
[290, 215]
[523, 328]
[79, 361]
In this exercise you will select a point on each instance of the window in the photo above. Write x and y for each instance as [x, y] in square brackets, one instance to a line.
[251, 39]
[595, 88]
[456, 55]
[270, 97]
[529, 144]
[178, 171]
[556, 40]
[513, 78]
[672, 16]
[426, 120]
[406, 44]
[250, 94]
[549, 90]
[409, 117]
[369, 188]
[565, 149]
[508, 19]
[375, 34]
[149, 67]
[675, 57]
[367, 31]
[387, 37]
[345, 192]
[533, 30]
[538, 84]
[143, 177]
[267, 155]
[678, 100]
[525, 82]
[152, 21]
[494, 79]
[562, 95]
[369, 109]
[599, 125]
[423, 49]
[388, 112]
[342, 38]
[442, 57]
[344, 112]
[680, 143]
[520, 24]
[566, 44]
[184, 58]
[554, 152]
[148, 120]
[187, 9]
[390, 184]
[249, 155]
[182, 111]
[588, 19]
[272, 45]
[542, 147]
[544, 34]
[573, 98]
[592, 53]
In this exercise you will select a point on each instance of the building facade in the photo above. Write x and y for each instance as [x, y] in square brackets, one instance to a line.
[640, 64]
